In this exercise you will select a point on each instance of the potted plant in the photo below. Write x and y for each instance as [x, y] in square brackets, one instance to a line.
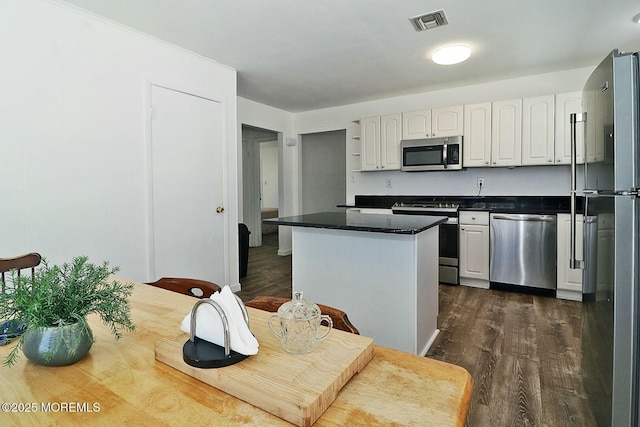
[53, 306]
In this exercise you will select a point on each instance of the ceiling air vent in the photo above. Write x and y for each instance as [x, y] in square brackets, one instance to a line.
[429, 20]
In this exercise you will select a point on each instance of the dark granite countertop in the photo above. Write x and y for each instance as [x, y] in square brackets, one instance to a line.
[375, 223]
[505, 204]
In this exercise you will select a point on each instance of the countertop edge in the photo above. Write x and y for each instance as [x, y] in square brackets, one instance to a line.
[363, 228]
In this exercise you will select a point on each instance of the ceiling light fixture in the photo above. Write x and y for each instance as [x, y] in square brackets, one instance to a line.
[449, 55]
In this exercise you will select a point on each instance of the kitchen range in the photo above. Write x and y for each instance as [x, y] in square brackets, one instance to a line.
[448, 233]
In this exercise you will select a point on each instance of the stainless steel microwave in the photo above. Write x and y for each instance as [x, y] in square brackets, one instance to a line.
[432, 154]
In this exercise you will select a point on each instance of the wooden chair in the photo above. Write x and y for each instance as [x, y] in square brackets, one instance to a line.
[193, 287]
[30, 260]
[339, 317]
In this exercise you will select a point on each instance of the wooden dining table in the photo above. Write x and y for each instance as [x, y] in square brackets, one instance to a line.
[121, 383]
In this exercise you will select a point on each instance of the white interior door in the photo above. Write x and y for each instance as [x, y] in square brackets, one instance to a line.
[187, 177]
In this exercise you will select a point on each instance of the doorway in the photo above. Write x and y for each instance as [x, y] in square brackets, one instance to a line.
[323, 171]
[260, 183]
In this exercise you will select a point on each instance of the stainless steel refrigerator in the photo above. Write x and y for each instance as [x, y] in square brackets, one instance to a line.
[605, 190]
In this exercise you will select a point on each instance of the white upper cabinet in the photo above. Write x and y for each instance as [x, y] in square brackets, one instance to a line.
[516, 132]
[439, 122]
[380, 138]
[390, 138]
[506, 133]
[416, 124]
[370, 140]
[538, 146]
[476, 144]
[447, 121]
[567, 103]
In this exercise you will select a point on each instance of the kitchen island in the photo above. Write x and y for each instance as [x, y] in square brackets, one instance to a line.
[382, 270]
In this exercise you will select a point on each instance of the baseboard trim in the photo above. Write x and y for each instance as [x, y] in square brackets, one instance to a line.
[285, 252]
[429, 343]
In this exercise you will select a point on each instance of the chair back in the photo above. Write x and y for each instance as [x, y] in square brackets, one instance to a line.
[30, 260]
[339, 317]
[192, 287]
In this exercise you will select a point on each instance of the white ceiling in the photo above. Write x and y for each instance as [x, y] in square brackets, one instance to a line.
[300, 55]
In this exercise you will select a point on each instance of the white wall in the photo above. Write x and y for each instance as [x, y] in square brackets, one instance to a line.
[498, 181]
[73, 177]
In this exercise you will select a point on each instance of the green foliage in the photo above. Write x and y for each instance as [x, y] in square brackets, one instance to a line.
[65, 295]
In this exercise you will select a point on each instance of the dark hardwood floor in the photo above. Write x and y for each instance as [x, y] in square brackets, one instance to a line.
[267, 272]
[523, 351]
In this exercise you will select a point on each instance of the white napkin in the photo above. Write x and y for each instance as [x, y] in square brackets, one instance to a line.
[209, 324]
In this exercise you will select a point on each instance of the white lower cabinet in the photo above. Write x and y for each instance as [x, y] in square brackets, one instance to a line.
[569, 280]
[474, 249]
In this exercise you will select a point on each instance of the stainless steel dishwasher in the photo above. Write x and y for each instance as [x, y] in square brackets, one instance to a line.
[523, 250]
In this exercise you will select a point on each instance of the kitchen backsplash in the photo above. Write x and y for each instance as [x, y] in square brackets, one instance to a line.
[519, 181]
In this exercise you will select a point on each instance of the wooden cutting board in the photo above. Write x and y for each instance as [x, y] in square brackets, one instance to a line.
[297, 388]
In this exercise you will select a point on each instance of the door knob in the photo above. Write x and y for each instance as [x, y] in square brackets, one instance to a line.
[219, 209]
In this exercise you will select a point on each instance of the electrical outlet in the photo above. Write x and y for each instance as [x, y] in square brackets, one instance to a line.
[389, 183]
[480, 182]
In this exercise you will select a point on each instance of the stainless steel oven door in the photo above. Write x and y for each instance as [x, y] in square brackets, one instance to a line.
[448, 252]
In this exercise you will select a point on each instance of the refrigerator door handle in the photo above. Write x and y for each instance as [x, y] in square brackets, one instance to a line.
[573, 262]
[574, 119]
